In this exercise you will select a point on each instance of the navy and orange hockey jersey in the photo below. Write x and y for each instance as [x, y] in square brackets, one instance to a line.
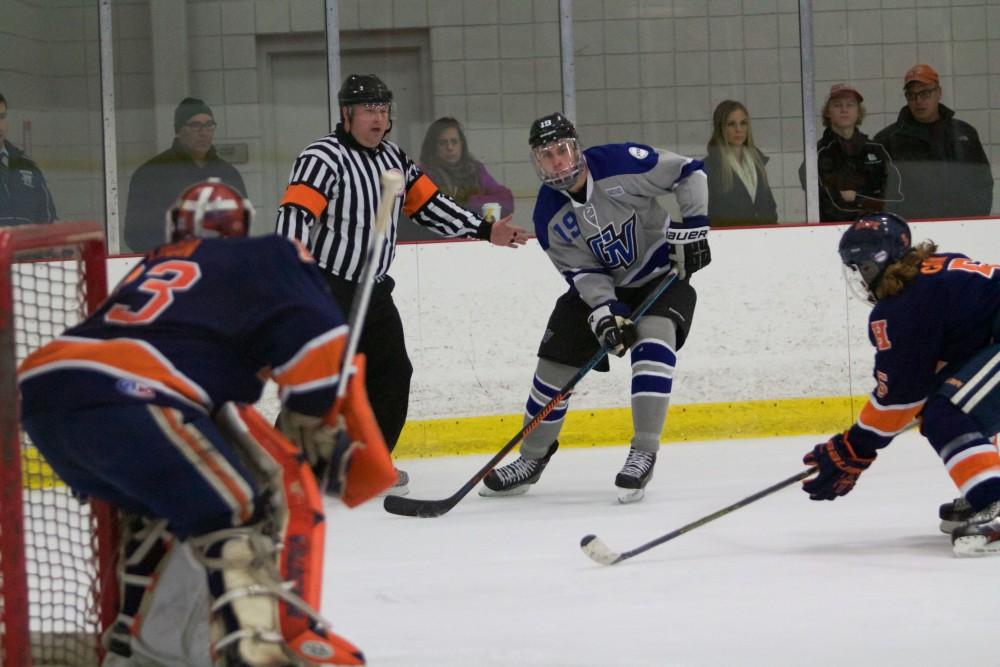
[947, 314]
[200, 323]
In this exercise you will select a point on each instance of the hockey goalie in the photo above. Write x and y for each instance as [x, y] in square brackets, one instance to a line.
[146, 405]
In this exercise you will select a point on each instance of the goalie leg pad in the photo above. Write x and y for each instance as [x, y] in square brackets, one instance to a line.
[297, 522]
[145, 545]
[251, 602]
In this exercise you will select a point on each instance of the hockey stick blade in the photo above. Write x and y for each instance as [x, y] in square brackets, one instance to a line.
[405, 506]
[597, 551]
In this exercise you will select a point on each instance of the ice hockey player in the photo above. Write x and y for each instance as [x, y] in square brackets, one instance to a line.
[598, 220]
[144, 405]
[935, 325]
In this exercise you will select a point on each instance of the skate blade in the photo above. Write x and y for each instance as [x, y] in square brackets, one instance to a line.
[948, 527]
[402, 490]
[626, 496]
[487, 492]
[975, 546]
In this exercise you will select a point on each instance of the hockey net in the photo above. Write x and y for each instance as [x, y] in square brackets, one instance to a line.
[57, 585]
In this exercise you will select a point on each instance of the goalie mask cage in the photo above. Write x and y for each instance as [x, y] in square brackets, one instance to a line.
[57, 576]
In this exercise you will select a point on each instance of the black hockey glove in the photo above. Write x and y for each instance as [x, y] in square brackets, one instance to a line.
[689, 251]
[839, 468]
[615, 331]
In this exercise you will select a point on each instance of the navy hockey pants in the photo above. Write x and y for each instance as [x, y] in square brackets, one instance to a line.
[159, 461]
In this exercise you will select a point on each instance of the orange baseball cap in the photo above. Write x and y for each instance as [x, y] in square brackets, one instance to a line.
[922, 74]
[839, 89]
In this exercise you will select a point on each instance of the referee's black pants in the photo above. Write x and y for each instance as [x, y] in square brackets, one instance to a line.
[388, 366]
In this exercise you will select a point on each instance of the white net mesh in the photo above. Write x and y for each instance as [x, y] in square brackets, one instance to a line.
[60, 545]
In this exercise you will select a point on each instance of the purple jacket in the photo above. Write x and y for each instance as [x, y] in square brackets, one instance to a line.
[488, 190]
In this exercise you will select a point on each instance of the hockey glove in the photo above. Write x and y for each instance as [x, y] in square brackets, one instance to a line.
[839, 468]
[689, 251]
[614, 330]
[328, 449]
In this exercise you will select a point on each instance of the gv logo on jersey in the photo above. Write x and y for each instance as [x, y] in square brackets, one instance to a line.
[615, 250]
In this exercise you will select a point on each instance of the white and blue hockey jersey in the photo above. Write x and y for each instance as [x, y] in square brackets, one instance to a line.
[620, 236]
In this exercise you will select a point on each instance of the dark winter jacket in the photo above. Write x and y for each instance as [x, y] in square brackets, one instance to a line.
[156, 185]
[945, 172]
[857, 164]
[733, 207]
[24, 195]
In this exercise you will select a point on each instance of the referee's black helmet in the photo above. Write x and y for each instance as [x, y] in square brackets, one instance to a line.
[363, 89]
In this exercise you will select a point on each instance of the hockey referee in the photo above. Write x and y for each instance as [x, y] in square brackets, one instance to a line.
[329, 206]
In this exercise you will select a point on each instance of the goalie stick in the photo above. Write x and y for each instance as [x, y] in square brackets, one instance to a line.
[392, 184]
[599, 552]
[435, 508]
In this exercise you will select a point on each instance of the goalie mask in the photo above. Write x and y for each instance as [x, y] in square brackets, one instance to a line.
[209, 209]
[555, 151]
[868, 247]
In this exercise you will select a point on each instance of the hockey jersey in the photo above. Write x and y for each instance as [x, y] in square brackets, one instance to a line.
[947, 314]
[201, 323]
[618, 236]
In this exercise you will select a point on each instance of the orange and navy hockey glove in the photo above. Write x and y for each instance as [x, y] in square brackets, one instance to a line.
[839, 468]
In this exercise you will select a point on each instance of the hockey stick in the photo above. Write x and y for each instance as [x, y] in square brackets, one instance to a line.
[392, 185]
[599, 552]
[434, 508]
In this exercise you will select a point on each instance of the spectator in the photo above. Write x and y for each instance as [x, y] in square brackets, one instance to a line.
[445, 157]
[191, 159]
[332, 195]
[856, 175]
[945, 172]
[738, 192]
[24, 196]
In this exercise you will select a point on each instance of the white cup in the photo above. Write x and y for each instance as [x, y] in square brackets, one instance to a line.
[491, 211]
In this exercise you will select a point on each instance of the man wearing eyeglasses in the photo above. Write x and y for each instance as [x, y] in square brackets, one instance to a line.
[191, 159]
[944, 170]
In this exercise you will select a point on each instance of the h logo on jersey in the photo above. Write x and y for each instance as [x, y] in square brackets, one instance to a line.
[615, 250]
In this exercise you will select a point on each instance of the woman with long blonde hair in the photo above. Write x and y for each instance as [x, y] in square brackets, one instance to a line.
[739, 194]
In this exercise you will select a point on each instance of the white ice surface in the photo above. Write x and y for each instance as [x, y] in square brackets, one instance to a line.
[865, 580]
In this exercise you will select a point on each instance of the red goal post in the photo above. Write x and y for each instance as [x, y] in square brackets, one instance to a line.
[57, 572]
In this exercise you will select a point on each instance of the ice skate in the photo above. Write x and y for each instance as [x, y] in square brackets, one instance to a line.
[980, 536]
[516, 478]
[634, 475]
[954, 514]
[402, 485]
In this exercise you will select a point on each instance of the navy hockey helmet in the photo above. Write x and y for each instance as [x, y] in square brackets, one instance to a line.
[870, 245]
[363, 89]
[209, 209]
[555, 151]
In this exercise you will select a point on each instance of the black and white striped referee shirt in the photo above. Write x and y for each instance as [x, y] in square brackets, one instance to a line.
[333, 192]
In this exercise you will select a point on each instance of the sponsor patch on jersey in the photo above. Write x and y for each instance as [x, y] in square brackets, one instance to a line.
[638, 153]
[316, 649]
[616, 191]
[27, 178]
[135, 389]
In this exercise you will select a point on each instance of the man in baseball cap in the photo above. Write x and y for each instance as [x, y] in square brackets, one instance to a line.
[944, 169]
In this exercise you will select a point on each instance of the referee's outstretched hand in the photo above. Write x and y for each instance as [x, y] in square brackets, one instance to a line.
[506, 234]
